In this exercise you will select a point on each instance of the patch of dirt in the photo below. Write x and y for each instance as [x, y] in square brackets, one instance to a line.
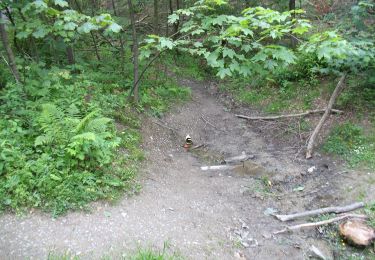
[201, 214]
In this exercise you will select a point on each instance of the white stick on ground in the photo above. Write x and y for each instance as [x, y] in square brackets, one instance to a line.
[289, 115]
[319, 223]
[315, 212]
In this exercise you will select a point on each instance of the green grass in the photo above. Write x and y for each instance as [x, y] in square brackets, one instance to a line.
[349, 141]
[139, 254]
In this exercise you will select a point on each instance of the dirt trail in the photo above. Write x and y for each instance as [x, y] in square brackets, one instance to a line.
[204, 215]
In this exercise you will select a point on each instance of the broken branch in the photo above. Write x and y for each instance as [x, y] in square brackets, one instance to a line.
[336, 92]
[289, 115]
[315, 212]
[319, 223]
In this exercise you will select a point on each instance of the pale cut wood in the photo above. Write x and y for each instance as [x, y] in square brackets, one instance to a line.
[335, 94]
[218, 167]
[320, 223]
[239, 158]
[289, 115]
[315, 212]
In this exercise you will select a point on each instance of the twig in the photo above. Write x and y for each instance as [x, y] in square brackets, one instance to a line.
[315, 212]
[207, 122]
[319, 223]
[287, 116]
[198, 146]
[336, 92]
[163, 125]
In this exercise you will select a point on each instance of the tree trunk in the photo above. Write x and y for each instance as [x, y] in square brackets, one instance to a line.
[292, 7]
[122, 47]
[70, 54]
[135, 53]
[156, 17]
[8, 49]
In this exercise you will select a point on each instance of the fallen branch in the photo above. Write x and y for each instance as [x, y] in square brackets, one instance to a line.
[207, 122]
[198, 146]
[239, 158]
[336, 92]
[165, 126]
[315, 212]
[289, 115]
[218, 167]
[319, 223]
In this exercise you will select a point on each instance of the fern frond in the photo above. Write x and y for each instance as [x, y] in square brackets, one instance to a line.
[82, 124]
[98, 125]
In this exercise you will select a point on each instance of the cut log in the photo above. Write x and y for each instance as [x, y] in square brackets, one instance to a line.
[357, 232]
[315, 212]
[218, 167]
[240, 158]
[289, 115]
[335, 94]
[320, 223]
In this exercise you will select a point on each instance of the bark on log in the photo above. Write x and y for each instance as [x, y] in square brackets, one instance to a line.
[336, 92]
[320, 223]
[288, 116]
[315, 212]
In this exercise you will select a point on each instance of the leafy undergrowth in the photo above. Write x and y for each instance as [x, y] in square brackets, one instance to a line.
[60, 146]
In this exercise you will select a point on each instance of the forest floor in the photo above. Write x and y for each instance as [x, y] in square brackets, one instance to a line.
[200, 214]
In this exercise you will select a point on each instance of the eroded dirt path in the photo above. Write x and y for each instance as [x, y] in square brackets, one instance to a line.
[203, 215]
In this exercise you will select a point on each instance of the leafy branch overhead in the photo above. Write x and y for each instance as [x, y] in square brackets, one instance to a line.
[55, 18]
[256, 40]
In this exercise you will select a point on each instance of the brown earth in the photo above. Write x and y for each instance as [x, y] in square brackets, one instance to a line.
[200, 214]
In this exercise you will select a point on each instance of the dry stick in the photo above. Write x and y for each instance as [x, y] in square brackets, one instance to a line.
[207, 122]
[320, 223]
[287, 116]
[198, 146]
[315, 212]
[165, 126]
[336, 92]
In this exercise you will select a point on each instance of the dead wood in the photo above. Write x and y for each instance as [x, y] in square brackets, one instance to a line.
[315, 212]
[218, 167]
[289, 115]
[208, 123]
[239, 158]
[320, 223]
[162, 124]
[357, 232]
[198, 146]
[335, 94]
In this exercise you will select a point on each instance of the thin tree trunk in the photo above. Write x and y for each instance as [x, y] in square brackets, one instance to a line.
[135, 53]
[122, 45]
[177, 24]
[70, 54]
[292, 7]
[8, 49]
[156, 17]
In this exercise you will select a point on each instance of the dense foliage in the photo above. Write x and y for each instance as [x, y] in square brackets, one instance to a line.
[68, 132]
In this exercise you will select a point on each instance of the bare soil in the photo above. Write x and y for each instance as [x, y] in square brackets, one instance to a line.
[200, 214]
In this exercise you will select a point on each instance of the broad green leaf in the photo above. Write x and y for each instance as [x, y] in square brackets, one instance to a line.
[61, 3]
[114, 27]
[223, 72]
[40, 33]
[173, 18]
[228, 52]
[70, 26]
[166, 43]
